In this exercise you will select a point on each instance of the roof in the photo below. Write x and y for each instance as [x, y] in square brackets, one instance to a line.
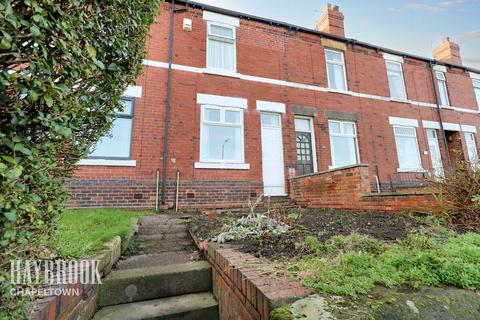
[319, 33]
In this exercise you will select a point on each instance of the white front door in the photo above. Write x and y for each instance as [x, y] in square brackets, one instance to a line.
[435, 155]
[272, 155]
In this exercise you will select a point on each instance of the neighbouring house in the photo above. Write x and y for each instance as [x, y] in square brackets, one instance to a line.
[232, 106]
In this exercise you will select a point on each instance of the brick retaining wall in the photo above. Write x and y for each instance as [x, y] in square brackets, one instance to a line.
[244, 290]
[349, 188]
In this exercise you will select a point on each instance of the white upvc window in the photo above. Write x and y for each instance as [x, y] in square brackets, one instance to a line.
[442, 88]
[472, 149]
[476, 87]
[396, 80]
[344, 143]
[221, 47]
[336, 73]
[407, 148]
[221, 135]
[117, 144]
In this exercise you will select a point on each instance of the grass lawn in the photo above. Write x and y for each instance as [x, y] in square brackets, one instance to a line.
[83, 232]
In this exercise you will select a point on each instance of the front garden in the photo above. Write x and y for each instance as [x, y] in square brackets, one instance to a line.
[356, 260]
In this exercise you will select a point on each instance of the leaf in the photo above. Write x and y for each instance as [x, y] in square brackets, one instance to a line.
[48, 100]
[20, 147]
[5, 44]
[35, 31]
[92, 51]
[11, 216]
[100, 64]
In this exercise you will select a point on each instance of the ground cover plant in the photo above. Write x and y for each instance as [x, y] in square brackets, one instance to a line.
[84, 232]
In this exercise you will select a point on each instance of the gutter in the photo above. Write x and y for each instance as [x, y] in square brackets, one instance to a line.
[439, 110]
[319, 33]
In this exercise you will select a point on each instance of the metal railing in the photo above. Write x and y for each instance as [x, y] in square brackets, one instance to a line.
[402, 180]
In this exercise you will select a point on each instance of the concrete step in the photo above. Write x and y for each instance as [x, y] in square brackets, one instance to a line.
[199, 306]
[157, 260]
[132, 285]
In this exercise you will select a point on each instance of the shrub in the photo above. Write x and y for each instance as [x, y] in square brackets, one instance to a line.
[459, 195]
[63, 68]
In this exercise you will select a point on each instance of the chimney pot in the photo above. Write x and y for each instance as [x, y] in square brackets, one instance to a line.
[448, 52]
[331, 20]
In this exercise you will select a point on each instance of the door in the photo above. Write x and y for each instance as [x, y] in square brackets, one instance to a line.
[272, 155]
[305, 146]
[435, 154]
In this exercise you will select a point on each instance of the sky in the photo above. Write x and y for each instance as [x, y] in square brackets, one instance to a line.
[412, 26]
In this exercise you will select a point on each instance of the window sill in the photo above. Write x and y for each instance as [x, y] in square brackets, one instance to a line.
[224, 73]
[447, 107]
[108, 163]
[223, 166]
[339, 91]
[399, 100]
[417, 170]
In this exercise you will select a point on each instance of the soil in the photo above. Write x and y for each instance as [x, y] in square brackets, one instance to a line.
[322, 223]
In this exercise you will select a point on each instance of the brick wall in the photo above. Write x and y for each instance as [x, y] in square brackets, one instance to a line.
[349, 188]
[272, 52]
[244, 290]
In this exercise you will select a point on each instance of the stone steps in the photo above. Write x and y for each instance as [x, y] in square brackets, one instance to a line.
[157, 259]
[132, 285]
[198, 306]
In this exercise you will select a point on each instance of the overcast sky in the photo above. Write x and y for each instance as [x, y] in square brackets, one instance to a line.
[411, 26]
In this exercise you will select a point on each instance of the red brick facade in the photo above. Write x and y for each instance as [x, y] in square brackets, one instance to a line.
[274, 63]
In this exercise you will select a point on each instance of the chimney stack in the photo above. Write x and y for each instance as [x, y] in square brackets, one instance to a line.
[331, 21]
[448, 52]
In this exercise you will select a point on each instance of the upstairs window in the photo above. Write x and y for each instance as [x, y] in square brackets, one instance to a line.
[407, 148]
[343, 141]
[396, 81]
[337, 79]
[221, 136]
[221, 52]
[476, 86]
[442, 88]
[117, 144]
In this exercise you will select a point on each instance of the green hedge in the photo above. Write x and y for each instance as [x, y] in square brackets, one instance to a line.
[64, 67]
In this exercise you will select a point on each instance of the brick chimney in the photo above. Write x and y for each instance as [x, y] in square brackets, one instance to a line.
[331, 21]
[448, 52]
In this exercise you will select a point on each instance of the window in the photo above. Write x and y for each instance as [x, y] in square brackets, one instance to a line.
[472, 148]
[337, 79]
[407, 148]
[476, 86]
[343, 142]
[221, 52]
[442, 88]
[117, 144]
[305, 146]
[395, 80]
[221, 137]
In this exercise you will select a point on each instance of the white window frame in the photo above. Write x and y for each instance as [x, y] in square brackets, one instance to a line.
[387, 62]
[471, 157]
[314, 145]
[344, 66]
[344, 135]
[441, 78]
[226, 124]
[219, 38]
[476, 86]
[400, 168]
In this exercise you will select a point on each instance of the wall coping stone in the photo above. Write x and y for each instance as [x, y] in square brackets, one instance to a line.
[361, 165]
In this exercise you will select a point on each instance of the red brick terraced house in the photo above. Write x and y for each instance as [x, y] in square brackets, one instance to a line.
[232, 106]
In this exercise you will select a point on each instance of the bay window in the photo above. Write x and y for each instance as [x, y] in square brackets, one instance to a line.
[221, 51]
[343, 141]
[116, 145]
[395, 80]
[407, 148]
[221, 135]
[337, 79]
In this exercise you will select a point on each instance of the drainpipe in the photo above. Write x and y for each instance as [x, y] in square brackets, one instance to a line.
[168, 106]
[439, 110]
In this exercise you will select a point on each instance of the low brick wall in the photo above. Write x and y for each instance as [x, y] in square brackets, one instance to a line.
[349, 188]
[244, 290]
[132, 193]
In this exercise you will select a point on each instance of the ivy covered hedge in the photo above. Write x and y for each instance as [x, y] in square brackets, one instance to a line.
[63, 68]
